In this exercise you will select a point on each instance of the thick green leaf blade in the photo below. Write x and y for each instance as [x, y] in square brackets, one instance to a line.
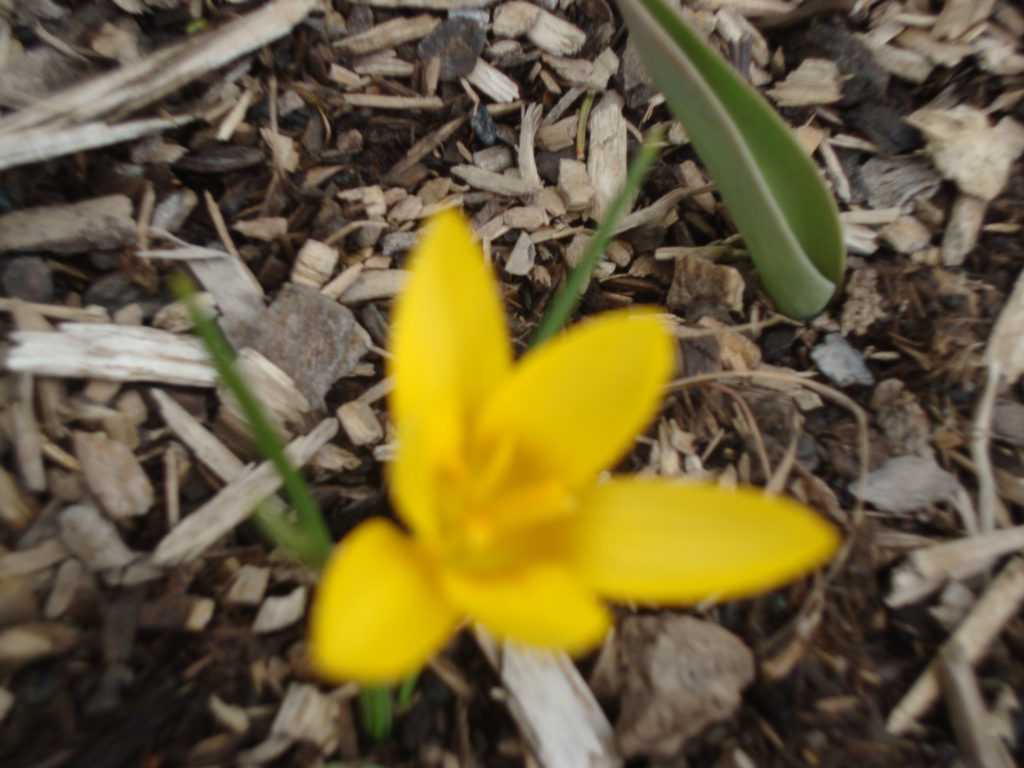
[773, 191]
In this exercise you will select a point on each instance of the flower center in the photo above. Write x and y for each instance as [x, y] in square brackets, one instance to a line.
[493, 504]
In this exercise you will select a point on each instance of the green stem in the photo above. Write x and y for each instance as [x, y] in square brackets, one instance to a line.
[568, 296]
[309, 537]
[581, 125]
[375, 707]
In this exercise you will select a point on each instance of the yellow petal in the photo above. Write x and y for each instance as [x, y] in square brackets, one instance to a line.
[542, 604]
[378, 613]
[666, 542]
[575, 405]
[450, 349]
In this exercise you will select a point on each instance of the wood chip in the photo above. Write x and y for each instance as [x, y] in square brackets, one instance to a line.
[375, 284]
[308, 715]
[283, 403]
[233, 504]
[249, 586]
[388, 35]
[103, 223]
[493, 82]
[498, 183]
[928, 568]
[606, 159]
[556, 711]
[697, 279]
[112, 352]
[360, 423]
[93, 538]
[1000, 603]
[521, 260]
[383, 101]
[17, 509]
[34, 641]
[113, 475]
[968, 150]
[543, 29]
[815, 81]
[962, 229]
[980, 746]
[277, 613]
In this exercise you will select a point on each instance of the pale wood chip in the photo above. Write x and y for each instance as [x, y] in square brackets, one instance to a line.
[906, 235]
[28, 438]
[520, 261]
[277, 613]
[904, 63]
[962, 230]
[375, 284]
[36, 640]
[497, 183]
[1005, 347]
[233, 504]
[230, 716]
[928, 568]
[493, 82]
[22, 562]
[580, 73]
[606, 159]
[433, 5]
[531, 116]
[968, 150]
[267, 229]
[173, 611]
[958, 16]
[388, 35]
[555, 709]
[17, 508]
[113, 475]
[360, 423]
[284, 405]
[384, 64]
[314, 263]
[815, 81]
[383, 101]
[544, 29]
[574, 184]
[979, 744]
[207, 448]
[103, 223]
[249, 586]
[308, 715]
[558, 135]
[1000, 602]
[93, 539]
[71, 581]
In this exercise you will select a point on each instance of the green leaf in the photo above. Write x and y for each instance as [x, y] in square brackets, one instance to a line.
[773, 191]
[308, 537]
[376, 710]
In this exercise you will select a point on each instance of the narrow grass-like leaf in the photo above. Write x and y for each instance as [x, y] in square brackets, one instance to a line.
[568, 296]
[307, 538]
[376, 711]
[773, 191]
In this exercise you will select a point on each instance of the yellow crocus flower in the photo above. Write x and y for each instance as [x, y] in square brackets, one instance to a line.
[498, 478]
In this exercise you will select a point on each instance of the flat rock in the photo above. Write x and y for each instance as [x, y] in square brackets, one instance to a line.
[907, 483]
[457, 43]
[311, 338]
[680, 675]
[101, 224]
[844, 365]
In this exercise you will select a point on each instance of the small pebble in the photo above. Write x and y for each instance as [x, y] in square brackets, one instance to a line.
[482, 124]
[843, 364]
